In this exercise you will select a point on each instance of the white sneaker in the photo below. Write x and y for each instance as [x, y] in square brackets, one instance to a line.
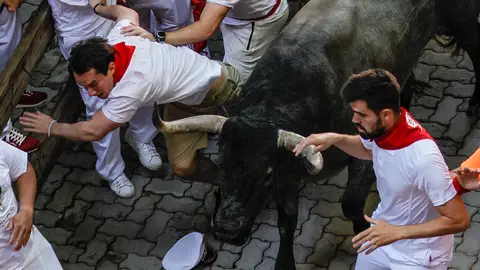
[147, 153]
[122, 186]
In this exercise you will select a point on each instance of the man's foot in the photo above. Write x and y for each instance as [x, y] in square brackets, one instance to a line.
[31, 99]
[122, 186]
[23, 142]
[147, 153]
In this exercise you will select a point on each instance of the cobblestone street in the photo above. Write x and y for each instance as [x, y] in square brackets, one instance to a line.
[90, 228]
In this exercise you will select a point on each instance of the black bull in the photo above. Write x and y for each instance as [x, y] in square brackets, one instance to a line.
[295, 87]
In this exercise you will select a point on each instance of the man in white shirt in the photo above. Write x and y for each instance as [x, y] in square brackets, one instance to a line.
[248, 27]
[10, 36]
[22, 246]
[74, 20]
[419, 209]
[133, 72]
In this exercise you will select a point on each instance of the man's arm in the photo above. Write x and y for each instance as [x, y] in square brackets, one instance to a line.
[114, 12]
[453, 218]
[351, 145]
[27, 189]
[92, 130]
[211, 18]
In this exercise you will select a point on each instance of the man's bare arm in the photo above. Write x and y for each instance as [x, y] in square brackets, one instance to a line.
[92, 130]
[453, 219]
[114, 12]
[353, 146]
[211, 18]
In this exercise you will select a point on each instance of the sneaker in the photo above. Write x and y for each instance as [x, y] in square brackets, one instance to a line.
[23, 142]
[122, 186]
[32, 99]
[147, 153]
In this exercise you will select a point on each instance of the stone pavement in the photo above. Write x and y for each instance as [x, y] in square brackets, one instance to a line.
[90, 228]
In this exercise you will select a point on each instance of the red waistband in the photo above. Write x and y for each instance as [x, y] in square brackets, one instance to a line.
[270, 13]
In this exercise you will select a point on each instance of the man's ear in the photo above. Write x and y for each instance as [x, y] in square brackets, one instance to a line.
[387, 115]
[111, 67]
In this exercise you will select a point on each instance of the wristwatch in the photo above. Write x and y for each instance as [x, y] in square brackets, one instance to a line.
[160, 36]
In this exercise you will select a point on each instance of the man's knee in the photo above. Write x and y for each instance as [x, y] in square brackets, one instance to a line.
[183, 168]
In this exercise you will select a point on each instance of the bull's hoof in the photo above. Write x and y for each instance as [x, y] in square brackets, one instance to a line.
[472, 109]
[210, 257]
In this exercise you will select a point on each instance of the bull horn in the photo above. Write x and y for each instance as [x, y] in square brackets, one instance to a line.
[313, 161]
[200, 123]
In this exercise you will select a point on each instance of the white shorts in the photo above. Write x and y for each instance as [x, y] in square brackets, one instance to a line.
[379, 260]
[245, 44]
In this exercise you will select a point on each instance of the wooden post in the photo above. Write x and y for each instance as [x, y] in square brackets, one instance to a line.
[14, 80]
[14, 77]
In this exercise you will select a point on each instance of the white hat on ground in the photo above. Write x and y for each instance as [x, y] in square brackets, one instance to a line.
[186, 253]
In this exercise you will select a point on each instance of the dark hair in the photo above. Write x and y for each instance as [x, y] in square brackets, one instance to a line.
[377, 87]
[91, 53]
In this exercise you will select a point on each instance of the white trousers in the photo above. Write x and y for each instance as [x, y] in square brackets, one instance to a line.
[10, 36]
[379, 260]
[47, 260]
[245, 44]
[110, 163]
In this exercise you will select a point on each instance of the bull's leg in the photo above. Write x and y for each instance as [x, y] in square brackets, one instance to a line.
[412, 85]
[360, 179]
[464, 27]
[285, 193]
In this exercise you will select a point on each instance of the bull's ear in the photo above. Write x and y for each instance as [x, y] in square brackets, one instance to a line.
[313, 161]
[200, 123]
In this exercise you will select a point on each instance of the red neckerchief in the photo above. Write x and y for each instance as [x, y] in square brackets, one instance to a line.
[120, 2]
[405, 132]
[123, 54]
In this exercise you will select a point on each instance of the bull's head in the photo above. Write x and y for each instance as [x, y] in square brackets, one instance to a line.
[248, 151]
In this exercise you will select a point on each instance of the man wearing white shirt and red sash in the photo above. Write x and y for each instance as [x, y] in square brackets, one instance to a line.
[413, 225]
[133, 72]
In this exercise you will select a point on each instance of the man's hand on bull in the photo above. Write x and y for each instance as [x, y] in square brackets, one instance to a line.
[36, 122]
[321, 141]
[135, 30]
[381, 234]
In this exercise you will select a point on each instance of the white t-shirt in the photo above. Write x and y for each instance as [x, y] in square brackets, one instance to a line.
[411, 182]
[158, 73]
[248, 9]
[74, 17]
[13, 163]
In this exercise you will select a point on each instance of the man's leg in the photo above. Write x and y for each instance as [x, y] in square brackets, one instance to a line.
[140, 136]
[182, 150]
[377, 260]
[110, 164]
[246, 44]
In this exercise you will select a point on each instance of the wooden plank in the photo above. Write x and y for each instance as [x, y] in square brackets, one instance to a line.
[67, 110]
[14, 77]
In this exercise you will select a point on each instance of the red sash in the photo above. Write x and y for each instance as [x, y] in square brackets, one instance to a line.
[405, 132]
[123, 55]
